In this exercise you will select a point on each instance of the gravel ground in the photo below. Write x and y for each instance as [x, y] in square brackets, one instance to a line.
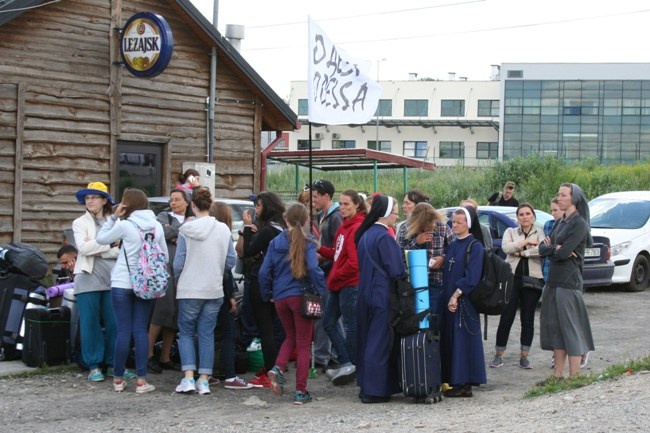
[67, 402]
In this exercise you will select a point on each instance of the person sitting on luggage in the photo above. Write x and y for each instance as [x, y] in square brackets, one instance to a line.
[67, 256]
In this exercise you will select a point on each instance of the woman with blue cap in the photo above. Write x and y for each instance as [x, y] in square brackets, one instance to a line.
[92, 281]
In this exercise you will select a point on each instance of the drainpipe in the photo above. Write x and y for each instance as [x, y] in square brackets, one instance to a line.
[213, 87]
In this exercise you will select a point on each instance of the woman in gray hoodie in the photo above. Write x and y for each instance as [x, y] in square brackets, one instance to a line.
[204, 252]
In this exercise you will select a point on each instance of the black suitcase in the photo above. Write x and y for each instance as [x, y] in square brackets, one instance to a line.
[15, 292]
[419, 367]
[47, 336]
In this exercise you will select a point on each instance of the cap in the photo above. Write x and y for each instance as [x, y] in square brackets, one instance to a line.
[324, 187]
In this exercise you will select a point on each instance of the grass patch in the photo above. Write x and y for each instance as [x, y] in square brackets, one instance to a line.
[42, 371]
[611, 372]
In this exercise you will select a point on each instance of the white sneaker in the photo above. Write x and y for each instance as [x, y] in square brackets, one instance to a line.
[187, 386]
[255, 345]
[331, 372]
[144, 388]
[344, 375]
[119, 386]
[202, 387]
[584, 360]
[236, 383]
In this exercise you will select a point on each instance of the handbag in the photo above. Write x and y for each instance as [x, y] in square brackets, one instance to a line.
[312, 305]
[528, 282]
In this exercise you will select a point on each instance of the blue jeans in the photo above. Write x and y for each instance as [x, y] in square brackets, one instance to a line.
[248, 326]
[197, 318]
[97, 328]
[132, 319]
[342, 304]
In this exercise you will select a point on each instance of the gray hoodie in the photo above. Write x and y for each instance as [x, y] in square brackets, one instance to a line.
[126, 230]
[203, 253]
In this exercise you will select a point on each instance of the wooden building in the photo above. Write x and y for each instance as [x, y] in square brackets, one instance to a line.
[71, 113]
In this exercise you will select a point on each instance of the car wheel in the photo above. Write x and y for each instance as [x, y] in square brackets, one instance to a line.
[640, 275]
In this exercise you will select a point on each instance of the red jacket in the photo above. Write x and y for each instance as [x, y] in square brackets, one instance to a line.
[345, 271]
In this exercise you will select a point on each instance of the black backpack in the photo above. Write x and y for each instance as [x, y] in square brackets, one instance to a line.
[23, 259]
[492, 294]
[403, 318]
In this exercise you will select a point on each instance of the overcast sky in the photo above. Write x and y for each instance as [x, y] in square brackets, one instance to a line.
[435, 37]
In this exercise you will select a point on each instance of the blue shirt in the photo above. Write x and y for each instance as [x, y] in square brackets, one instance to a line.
[548, 227]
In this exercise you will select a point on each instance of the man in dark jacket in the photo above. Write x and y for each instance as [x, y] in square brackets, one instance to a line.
[504, 198]
[329, 220]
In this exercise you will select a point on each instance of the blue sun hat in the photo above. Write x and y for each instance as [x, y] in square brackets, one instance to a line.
[98, 188]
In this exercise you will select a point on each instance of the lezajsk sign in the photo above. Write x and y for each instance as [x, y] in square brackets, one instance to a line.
[147, 44]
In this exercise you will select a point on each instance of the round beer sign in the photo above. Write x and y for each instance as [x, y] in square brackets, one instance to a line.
[147, 44]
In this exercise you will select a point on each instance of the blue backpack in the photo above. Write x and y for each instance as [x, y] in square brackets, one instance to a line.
[149, 278]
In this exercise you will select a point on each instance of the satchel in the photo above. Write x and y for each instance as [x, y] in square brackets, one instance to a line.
[312, 304]
[528, 282]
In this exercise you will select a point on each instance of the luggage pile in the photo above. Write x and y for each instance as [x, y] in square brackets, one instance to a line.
[31, 330]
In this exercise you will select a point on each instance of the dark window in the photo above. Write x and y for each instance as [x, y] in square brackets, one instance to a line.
[515, 74]
[415, 149]
[304, 144]
[384, 108]
[487, 150]
[452, 108]
[139, 166]
[303, 107]
[384, 145]
[416, 107]
[452, 149]
[488, 108]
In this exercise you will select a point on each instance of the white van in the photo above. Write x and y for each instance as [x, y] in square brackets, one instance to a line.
[624, 217]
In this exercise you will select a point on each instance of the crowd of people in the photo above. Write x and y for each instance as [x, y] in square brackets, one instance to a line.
[348, 249]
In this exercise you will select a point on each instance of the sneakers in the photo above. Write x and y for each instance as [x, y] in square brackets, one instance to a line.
[202, 387]
[187, 386]
[236, 383]
[344, 375]
[301, 398]
[144, 388]
[277, 380]
[255, 345]
[584, 360]
[261, 381]
[331, 372]
[213, 380]
[96, 375]
[524, 363]
[119, 386]
[496, 362]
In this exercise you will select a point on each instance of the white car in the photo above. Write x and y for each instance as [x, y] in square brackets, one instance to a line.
[624, 217]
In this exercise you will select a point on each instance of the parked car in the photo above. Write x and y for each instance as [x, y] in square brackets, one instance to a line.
[624, 217]
[598, 268]
[161, 204]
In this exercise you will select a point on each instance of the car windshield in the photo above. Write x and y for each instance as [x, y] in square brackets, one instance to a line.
[610, 213]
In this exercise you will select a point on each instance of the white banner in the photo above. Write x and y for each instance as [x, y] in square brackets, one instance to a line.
[339, 90]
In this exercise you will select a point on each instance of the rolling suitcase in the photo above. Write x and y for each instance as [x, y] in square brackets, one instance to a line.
[47, 336]
[419, 366]
[15, 290]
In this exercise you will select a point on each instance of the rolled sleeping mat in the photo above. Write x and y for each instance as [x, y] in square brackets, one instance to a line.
[419, 277]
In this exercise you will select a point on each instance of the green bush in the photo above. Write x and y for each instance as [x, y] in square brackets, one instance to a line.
[537, 180]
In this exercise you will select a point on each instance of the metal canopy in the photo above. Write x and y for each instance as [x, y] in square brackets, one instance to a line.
[424, 123]
[348, 159]
[10, 9]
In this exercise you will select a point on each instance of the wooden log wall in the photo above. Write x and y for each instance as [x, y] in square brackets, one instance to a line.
[60, 56]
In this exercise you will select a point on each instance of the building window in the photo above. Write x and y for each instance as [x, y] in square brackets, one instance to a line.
[139, 166]
[384, 108]
[415, 149]
[487, 150]
[515, 74]
[452, 108]
[416, 107]
[303, 107]
[452, 149]
[343, 144]
[304, 144]
[488, 108]
[384, 145]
